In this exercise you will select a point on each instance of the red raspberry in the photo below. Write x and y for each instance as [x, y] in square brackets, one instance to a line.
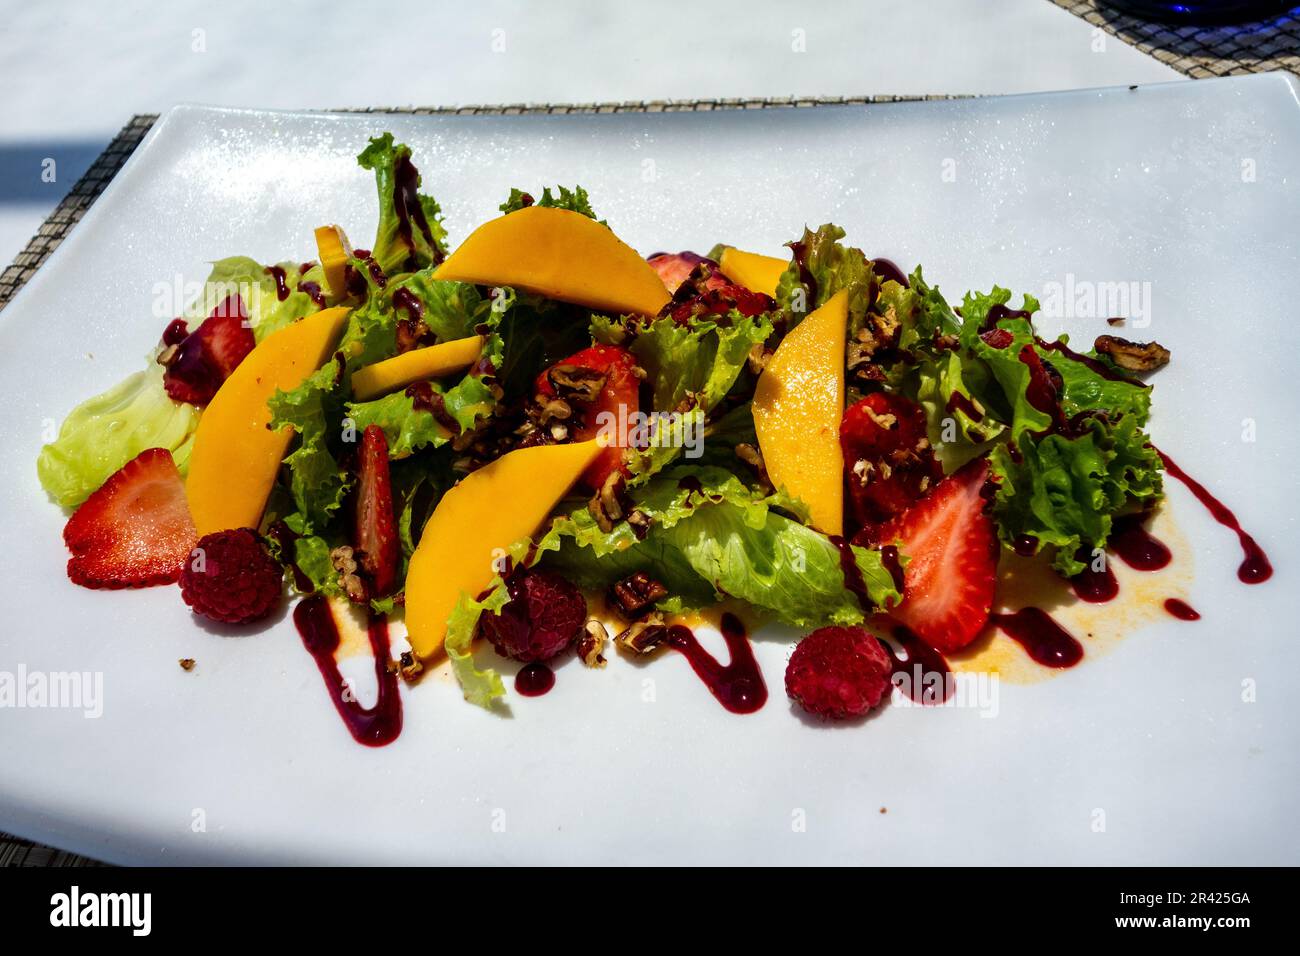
[544, 615]
[838, 672]
[232, 578]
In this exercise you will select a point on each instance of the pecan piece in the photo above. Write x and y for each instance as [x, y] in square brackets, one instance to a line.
[1132, 356]
[606, 505]
[644, 636]
[592, 644]
[409, 666]
[345, 563]
[576, 382]
[636, 594]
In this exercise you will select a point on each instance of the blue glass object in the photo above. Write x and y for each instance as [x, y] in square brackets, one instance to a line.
[1202, 11]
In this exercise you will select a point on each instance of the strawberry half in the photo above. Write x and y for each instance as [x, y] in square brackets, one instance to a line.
[674, 268]
[202, 360]
[136, 530]
[888, 462]
[618, 399]
[700, 290]
[952, 546]
[374, 525]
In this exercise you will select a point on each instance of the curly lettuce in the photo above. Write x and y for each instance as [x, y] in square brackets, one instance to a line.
[410, 235]
[820, 267]
[713, 536]
[697, 362]
[574, 200]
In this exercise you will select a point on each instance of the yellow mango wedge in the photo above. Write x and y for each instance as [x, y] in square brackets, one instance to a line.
[798, 404]
[334, 250]
[559, 254]
[756, 273]
[414, 366]
[236, 456]
[492, 508]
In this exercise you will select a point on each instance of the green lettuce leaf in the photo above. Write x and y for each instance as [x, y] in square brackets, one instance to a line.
[480, 687]
[103, 433]
[1006, 389]
[820, 267]
[574, 200]
[407, 428]
[711, 536]
[1064, 492]
[698, 362]
[256, 286]
[410, 235]
[451, 310]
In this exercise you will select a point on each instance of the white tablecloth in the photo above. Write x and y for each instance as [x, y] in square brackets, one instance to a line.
[73, 73]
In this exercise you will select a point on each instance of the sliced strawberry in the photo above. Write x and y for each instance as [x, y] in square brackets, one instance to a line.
[674, 268]
[953, 555]
[204, 358]
[706, 292]
[374, 525]
[136, 530]
[616, 403]
[888, 461]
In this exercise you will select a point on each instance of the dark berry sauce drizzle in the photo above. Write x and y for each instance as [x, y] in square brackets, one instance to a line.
[1093, 586]
[1255, 567]
[923, 667]
[374, 726]
[738, 685]
[534, 680]
[1136, 546]
[918, 652]
[1046, 641]
[1182, 610]
[281, 285]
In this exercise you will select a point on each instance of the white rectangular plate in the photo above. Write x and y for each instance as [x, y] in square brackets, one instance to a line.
[1178, 746]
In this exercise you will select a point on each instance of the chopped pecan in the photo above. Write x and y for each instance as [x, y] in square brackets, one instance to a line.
[644, 636]
[1132, 356]
[552, 409]
[187, 663]
[345, 563]
[591, 644]
[576, 382]
[885, 421]
[862, 470]
[409, 666]
[606, 505]
[640, 522]
[636, 594]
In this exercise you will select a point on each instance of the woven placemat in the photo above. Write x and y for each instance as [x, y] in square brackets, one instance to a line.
[1203, 51]
[1196, 51]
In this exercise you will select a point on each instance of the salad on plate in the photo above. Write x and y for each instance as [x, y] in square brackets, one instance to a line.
[537, 437]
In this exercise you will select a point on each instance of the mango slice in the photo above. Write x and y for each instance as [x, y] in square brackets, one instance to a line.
[798, 404]
[561, 255]
[414, 366]
[756, 273]
[491, 509]
[334, 250]
[236, 456]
